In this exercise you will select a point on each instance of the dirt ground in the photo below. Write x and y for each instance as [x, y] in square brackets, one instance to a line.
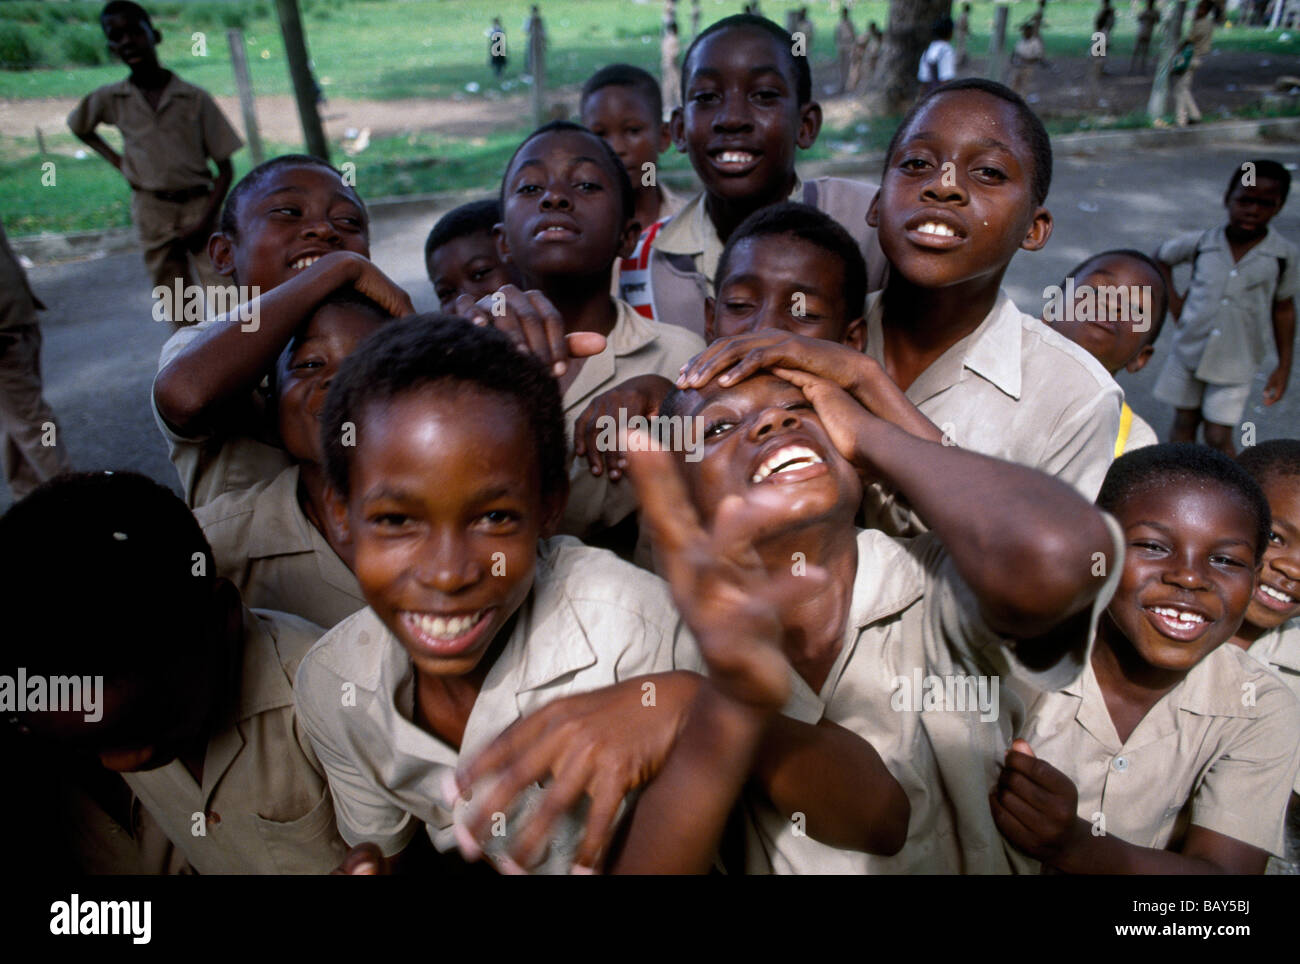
[1061, 89]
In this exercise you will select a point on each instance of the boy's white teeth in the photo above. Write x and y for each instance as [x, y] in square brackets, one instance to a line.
[440, 628]
[783, 460]
[1182, 615]
[302, 263]
[1277, 594]
[934, 227]
[735, 157]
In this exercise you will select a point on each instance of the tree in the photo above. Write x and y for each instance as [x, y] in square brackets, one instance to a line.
[893, 88]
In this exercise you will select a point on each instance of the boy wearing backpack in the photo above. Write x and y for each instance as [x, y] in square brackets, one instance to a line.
[1244, 279]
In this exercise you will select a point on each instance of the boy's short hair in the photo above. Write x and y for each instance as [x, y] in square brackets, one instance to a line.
[1158, 319]
[1266, 461]
[467, 219]
[625, 75]
[802, 73]
[1266, 169]
[943, 28]
[1172, 463]
[626, 193]
[127, 8]
[1031, 128]
[229, 222]
[118, 547]
[433, 349]
[806, 223]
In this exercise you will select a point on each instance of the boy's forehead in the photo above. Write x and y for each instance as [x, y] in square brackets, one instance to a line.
[620, 100]
[568, 146]
[304, 179]
[741, 49]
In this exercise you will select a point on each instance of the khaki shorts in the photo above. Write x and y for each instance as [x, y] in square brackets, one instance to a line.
[1221, 404]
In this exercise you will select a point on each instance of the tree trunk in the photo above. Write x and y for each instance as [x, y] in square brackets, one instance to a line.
[893, 88]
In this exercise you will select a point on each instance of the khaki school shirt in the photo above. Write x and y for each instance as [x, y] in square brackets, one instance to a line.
[208, 465]
[264, 804]
[1226, 326]
[1013, 389]
[590, 621]
[685, 253]
[635, 346]
[1279, 650]
[913, 619]
[264, 543]
[1219, 750]
[166, 149]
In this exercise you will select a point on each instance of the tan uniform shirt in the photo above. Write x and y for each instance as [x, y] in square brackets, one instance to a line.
[166, 149]
[636, 346]
[264, 806]
[1279, 650]
[590, 621]
[209, 465]
[1016, 390]
[917, 679]
[263, 542]
[1220, 751]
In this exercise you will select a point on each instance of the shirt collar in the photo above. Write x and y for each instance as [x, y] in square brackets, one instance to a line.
[991, 351]
[551, 631]
[263, 685]
[1284, 647]
[279, 526]
[631, 333]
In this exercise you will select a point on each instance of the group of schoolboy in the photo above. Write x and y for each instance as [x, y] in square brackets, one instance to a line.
[919, 595]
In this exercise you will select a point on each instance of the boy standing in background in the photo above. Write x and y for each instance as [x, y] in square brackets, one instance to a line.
[170, 130]
[1242, 274]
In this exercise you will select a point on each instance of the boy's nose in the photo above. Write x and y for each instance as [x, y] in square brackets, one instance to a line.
[1187, 575]
[944, 187]
[774, 419]
[447, 565]
[555, 199]
[1288, 566]
[321, 227]
[732, 114]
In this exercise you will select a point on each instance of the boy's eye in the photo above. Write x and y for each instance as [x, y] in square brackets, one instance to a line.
[308, 363]
[499, 519]
[1222, 560]
[1147, 545]
[527, 188]
[478, 274]
[913, 163]
[737, 307]
[389, 520]
[287, 209]
[704, 97]
[766, 95]
[717, 428]
[589, 187]
[991, 173]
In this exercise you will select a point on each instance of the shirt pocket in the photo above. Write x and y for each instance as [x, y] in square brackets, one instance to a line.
[308, 845]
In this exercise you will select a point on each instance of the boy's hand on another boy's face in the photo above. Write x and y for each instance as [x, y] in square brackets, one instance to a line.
[1035, 806]
[731, 602]
[735, 358]
[840, 414]
[639, 396]
[602, 745]
[374, 284]
[533, 323]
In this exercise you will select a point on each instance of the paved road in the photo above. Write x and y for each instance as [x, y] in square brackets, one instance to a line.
[101, 347]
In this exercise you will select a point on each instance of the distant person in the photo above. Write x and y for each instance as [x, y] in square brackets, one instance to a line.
[535, 30]
[695, 17]
[1146, 28]
[1035, 22]
[1244, 281]
[497, 47]
[939, 62]
[845, 40]
[868, 51]
[1200, 36]
[170, 131]
[670, 47]
[26, 422]
[1027, 55]
[963, 35]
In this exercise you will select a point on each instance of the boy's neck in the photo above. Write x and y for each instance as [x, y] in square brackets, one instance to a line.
[726, 213]
[815, 627]
[1129, 684]
[311, 497]
[649, 204]
[150, 76]
[1247, 634]
[920, 324]
[443, 703]
[584, 303]
[1238, 237]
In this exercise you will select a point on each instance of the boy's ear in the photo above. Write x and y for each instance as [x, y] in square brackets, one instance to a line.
[873, 214]
[666, 135]
[810, 124]
[1139, 361]
[710, 305]
[677, 130]
[855, 335]
[503, 246]
[1040, 229]
[221, 252]
[628, 238]
[336, 515]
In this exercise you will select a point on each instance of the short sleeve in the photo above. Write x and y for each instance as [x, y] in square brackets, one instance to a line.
[88, 114]
[362, 813]
[1289, 282]
[219, 139]
[1246, 791]
[947, 66]
[1083, 442]
[1179, 249]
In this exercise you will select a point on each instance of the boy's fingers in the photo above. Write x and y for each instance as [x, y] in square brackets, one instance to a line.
[662, 494]
[718, 357]
[560, 796]
[552, 329]
[1022, 746]
[583, 344]
[599, 829]
[516, 740]
[1007, 823]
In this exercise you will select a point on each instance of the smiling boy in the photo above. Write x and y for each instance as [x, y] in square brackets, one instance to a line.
[748, 109]
[1172, 753]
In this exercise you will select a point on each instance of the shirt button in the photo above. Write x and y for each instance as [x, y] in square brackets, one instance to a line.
[1121, 763]
[1233, 273]
[1225, 301]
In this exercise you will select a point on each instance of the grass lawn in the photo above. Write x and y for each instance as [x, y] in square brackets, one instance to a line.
[383, 49]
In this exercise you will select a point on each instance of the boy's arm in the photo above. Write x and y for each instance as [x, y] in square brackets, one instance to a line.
[1284, 338]
[227, 360]
[102, 148]
[1035, 807]
[640, 395]
[1176, 300]
[1028, 559]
